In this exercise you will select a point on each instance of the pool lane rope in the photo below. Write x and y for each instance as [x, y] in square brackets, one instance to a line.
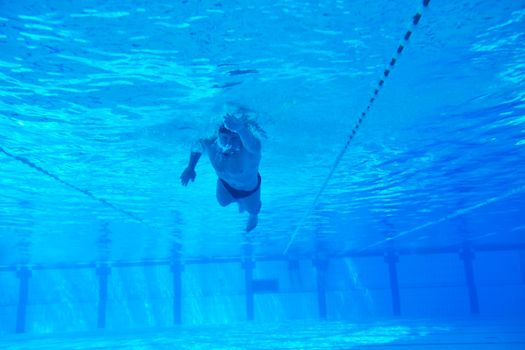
[452, 215]
[386, 73]
[76, 188]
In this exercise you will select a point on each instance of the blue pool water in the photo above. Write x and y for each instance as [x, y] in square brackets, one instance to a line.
[393, 180]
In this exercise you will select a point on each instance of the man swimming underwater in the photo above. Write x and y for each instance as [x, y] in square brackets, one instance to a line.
[235, 154]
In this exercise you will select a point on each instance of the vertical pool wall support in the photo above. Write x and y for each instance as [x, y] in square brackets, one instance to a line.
[321, 266]
[177, 266]
[23, 274]
[392, 258]
[248, 264]
[103, 272]
[176, 269]
[294, 273]
[466, 254]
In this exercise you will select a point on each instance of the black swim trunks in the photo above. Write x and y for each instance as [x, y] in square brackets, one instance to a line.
[239, 194]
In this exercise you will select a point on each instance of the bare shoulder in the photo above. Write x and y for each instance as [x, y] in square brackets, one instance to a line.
[207, 142]
[203, 144]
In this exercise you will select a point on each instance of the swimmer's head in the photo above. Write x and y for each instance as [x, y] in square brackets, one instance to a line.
[228, 141]
[225, 130]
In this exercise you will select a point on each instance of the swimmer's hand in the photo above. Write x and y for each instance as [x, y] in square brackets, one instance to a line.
[187, 175]
[235, 124]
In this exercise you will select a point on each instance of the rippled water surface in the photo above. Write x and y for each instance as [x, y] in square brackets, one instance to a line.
[100, 103]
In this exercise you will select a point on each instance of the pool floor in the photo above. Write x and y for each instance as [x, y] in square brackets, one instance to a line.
[399, 334]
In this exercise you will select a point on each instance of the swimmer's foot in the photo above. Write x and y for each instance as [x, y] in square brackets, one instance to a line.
[252, 222]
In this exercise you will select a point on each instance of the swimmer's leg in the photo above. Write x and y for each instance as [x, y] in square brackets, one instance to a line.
[253, 219]
[224, 197]
[252, 204]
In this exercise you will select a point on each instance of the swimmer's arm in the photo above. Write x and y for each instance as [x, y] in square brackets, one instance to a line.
[249, 141]
[194, 159]
[198, 148]
[203, 145]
